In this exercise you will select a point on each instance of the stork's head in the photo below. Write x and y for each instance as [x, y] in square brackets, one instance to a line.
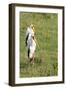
[32, 26]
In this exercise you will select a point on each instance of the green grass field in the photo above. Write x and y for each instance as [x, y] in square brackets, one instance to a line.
[46, 56]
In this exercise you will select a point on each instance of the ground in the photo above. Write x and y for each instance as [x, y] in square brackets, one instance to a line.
[46, 55]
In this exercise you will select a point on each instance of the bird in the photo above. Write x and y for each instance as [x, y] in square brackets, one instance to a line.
[30, 43]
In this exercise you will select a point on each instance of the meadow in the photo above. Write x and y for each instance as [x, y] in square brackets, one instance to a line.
[46, 55]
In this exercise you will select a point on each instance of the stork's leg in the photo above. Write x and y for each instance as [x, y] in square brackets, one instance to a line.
[32, 59]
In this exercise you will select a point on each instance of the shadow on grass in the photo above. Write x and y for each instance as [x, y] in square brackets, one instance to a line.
[37, 61]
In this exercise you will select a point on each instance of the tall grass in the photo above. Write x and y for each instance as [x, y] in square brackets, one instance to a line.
[46, 55]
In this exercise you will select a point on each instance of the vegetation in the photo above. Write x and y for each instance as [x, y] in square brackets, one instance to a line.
[46, 56]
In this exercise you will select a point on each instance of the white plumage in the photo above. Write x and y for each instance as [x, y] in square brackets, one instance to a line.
[31, 44]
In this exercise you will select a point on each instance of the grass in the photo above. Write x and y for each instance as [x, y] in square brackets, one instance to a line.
[46, 56]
